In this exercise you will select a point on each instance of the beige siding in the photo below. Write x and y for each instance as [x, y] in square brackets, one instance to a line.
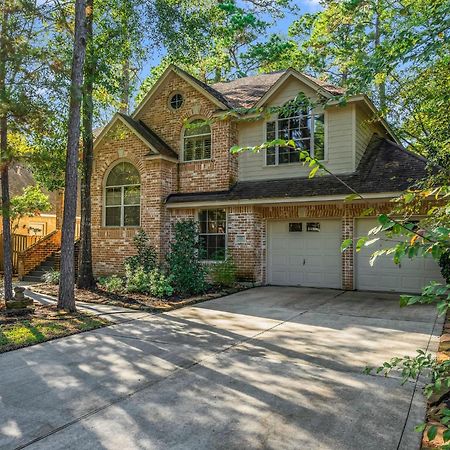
[364, 130]
[338, 143]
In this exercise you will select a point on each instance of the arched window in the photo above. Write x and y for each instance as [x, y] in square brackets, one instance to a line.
[123, 196]
[304, 127]
[197, 141]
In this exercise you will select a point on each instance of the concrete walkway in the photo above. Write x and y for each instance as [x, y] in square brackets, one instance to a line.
[267, 368]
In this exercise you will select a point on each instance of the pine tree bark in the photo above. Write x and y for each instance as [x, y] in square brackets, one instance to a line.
[7, 252]
[66, 296]
[85, 273]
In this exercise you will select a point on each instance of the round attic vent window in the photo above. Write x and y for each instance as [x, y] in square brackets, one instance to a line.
[176, 101]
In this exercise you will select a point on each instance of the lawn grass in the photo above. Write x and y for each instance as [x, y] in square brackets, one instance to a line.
[45, 324]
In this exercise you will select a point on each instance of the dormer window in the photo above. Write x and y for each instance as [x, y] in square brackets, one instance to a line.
[197, 141]
[304, 127]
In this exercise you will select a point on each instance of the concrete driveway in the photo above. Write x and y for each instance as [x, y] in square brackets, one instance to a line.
[271, 367]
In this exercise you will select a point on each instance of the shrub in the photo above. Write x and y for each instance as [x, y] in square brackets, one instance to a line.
[137, 279]
[146, 256]
[51, 277]
[444, 263]
[188, 273]
[160, 284]
[224, 273]
[112, 283]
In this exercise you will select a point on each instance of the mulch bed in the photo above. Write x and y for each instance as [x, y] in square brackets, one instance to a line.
[137, 301]
[43, 323]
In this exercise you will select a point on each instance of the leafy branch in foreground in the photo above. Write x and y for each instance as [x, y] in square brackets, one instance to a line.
[409, 368]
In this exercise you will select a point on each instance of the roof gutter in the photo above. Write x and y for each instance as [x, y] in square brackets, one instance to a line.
[277, 201]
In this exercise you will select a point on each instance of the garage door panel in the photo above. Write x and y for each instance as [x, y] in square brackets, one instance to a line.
[311, 258]
[410, 276]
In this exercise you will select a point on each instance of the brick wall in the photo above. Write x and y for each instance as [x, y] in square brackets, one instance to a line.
[159, 177]
[198, 176]
[111, 245]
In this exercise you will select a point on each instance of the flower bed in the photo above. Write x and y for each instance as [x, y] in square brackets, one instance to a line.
[137, 301]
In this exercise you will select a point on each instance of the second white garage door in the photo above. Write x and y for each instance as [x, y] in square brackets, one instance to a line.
[304, 253]
[410, 276]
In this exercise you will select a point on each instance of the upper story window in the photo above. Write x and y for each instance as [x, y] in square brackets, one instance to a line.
[123, 196]
[304, 127]
[213, 234]
[197, 141]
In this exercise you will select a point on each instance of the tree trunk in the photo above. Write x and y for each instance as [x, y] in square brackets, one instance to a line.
[7, 255]
[85, 274]
[6, 223]
[66, 297]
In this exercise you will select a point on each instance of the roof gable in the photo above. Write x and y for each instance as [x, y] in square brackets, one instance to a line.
[253, 91]
[209, 92]
[156, 145]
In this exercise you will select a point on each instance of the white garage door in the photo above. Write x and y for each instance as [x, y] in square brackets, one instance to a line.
[384, 275]
[304, 253]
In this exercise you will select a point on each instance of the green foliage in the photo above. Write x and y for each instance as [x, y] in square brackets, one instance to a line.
[444, 262]
[432, 293]
[188, 273]
[31, 202]
[155, 282]
[160, 284]
[137, 279]
[223, 273]
[113, 283]
[51, 277]
[146, 256]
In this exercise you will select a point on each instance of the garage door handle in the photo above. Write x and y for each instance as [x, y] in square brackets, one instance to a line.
[304, 261]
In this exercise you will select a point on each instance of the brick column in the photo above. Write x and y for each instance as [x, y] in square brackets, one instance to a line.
[347, 256]
[245, 233]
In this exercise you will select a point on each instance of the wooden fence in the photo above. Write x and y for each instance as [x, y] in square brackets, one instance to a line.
[19, 243]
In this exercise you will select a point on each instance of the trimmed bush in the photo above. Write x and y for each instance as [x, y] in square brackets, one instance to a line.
[223, 273]
[187, 272]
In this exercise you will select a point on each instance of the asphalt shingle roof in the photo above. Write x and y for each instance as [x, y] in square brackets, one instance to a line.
[150, 136]
[385, 167]
[245, 92]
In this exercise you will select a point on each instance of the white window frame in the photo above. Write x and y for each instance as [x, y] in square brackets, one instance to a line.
[122, 200]
[184, 137]
[212, 261]
[276, 120]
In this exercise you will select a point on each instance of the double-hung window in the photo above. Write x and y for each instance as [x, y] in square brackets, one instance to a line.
[304, 127]
[197, 141]
[213, 234]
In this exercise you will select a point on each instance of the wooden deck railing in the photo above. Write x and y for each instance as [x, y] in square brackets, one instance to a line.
[19, 243]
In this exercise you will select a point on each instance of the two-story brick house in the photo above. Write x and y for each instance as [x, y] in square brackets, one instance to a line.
[281, 227]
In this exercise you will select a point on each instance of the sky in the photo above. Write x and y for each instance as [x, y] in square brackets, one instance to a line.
[280, 27]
